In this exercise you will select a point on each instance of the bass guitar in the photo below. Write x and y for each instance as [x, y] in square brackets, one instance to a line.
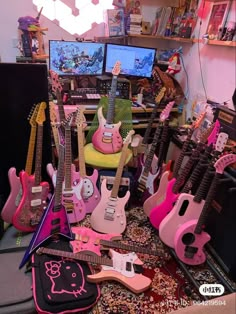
[34, 192]
[90, 193]
[73, 184]
[92, 242]
[109, 215]
[107, 138]
[188, 206]
[54, 221]
[124, 268]
[15, 195]
[190, 238]
[158, 197]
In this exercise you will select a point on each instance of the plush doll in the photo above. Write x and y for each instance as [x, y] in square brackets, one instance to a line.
[174, 64]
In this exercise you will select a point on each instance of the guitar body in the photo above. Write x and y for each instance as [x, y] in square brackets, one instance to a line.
[88, 240]
[133, 281]
[159, 196]
[14, 197]
[109, 215]
[107, 139]
[53, 221]
[159, 212]
[90, 193]
[186, 241]
[32, 203]
[171, 223]
[71, 198]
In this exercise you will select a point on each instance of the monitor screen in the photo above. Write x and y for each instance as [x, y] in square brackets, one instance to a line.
[135, 61]
[71, 58]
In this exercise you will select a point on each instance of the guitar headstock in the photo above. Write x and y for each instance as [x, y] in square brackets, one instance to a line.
[199, 120]
[41, 113]
[212, 138]
[52, 112]
[68, 121]
[33, 115]
[128, 138]
[166, 111]
[80, 119]
[160, 95]
[56, 85]
[224, 162]
[221, 141]
[116, 68]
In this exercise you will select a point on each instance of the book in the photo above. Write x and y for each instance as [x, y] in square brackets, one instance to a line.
[115, 25]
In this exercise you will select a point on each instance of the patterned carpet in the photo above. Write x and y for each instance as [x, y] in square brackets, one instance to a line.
[170, 288]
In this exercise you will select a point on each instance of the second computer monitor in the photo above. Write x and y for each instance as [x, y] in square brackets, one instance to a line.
[135, 61]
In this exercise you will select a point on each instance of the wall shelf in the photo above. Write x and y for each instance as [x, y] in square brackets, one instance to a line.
[217, 42]
[179, 39]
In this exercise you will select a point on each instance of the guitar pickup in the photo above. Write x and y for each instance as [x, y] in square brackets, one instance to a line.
[138, 269]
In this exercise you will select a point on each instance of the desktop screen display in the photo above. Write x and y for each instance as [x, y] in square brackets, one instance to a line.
[71, 58]
[135, 61]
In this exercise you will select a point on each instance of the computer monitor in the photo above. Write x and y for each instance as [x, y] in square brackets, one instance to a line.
[135, 61]
[73, 58]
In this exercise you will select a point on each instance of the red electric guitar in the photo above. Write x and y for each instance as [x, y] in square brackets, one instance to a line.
[190, 238]
[109, 215]
[90, 193]
[34, 192]
[54, 221]
[73, 184]
[15, 195]
[107, 138]
[124, 268]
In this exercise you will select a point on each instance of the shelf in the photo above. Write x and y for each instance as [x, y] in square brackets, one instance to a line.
[179, 39]
[217, 42]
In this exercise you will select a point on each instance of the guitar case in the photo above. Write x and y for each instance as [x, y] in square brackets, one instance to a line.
[16, 284]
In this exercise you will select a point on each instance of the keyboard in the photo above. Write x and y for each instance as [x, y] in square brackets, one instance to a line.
[84, 94]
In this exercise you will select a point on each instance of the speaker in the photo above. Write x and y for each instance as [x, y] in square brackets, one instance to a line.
[221, 225]
[21, 86]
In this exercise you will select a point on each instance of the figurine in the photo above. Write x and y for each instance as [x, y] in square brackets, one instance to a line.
[230, 31]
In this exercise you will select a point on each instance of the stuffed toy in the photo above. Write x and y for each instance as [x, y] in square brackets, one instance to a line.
[174, 64]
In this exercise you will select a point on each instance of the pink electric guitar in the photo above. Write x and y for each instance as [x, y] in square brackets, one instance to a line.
[109, 215]
[15, 195]
[190, 237]
[73, 184]
[146, 181]
[107, 138]
[90, 193]
[189, 206]
[124, 268]
[34, 192]
[54, 221]
[92, 242]
[158, 197]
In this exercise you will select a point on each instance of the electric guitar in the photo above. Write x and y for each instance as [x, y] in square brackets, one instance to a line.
[190, 238]
[15, 195]
[146, 180]
[189, 206]
[73, 184]
[54, 220]
[109, 215]
[124, 268]
[158, 197]
[107, 138]
[91, 242]
[34, 192]
[90, 193]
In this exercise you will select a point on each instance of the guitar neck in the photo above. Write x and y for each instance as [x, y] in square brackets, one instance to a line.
[68, 158]
[80, 139]
[30, 153]
[38, 158]
[59, 179]
[130, 248]
[163, 145]
[111, 100]
[61, 110]
[149, 127]
[78, 256]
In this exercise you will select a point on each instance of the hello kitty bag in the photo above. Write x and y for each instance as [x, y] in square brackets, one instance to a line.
[60, 285]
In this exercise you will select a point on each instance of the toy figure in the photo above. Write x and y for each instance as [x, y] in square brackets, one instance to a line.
[230, 31]
[174, 64]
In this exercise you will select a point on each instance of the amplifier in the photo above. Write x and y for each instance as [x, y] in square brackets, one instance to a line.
[221, 224]
[227, 119]
[104, 86]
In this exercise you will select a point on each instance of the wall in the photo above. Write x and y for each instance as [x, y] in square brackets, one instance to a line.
[217, 62]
